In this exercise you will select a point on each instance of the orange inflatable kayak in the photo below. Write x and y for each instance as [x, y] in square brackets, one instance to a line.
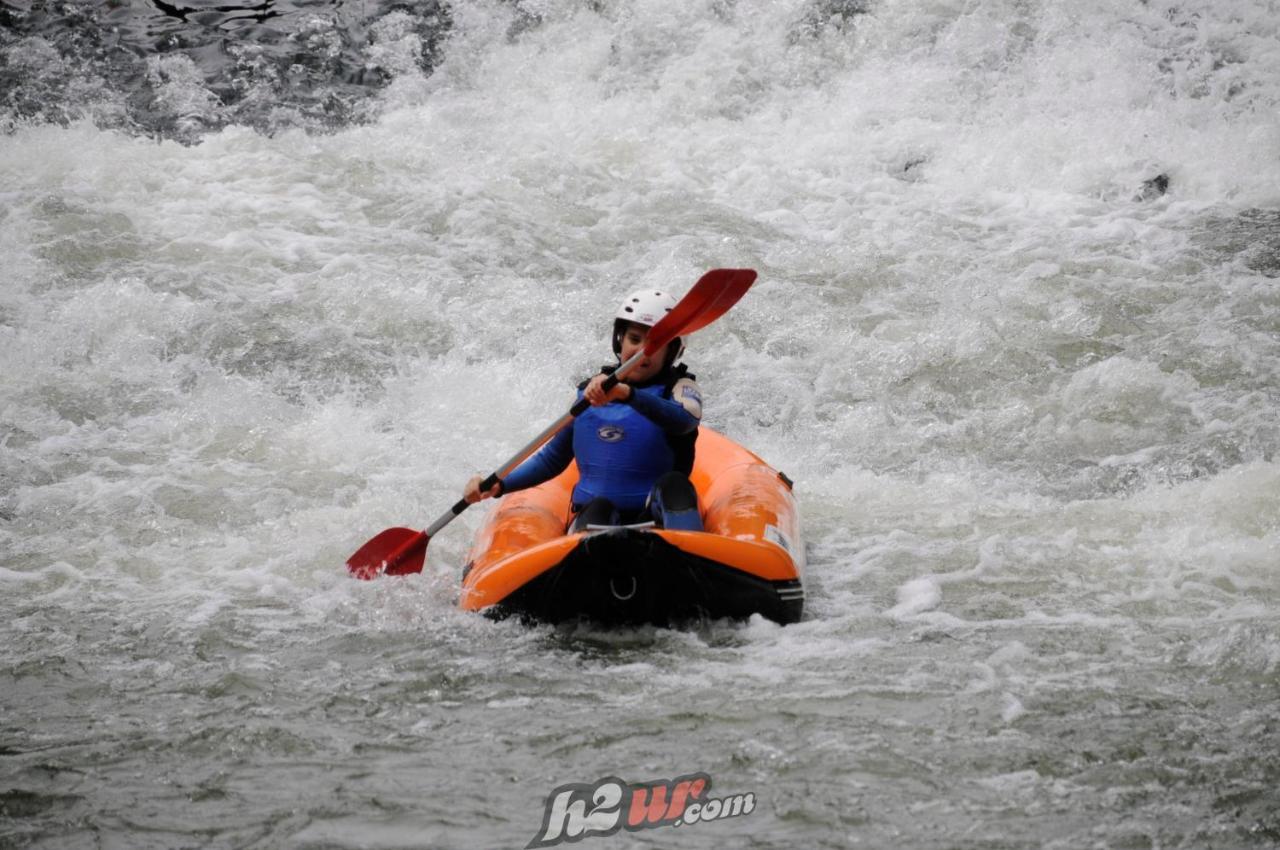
[749, 559]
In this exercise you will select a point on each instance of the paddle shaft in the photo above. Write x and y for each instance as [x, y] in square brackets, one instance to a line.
[533, 445]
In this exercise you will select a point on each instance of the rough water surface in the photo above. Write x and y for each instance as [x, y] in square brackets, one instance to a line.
[279, 275]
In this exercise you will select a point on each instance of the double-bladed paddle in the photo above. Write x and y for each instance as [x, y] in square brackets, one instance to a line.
[400, 551]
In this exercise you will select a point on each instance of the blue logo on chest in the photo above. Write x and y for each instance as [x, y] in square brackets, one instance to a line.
[610, 433]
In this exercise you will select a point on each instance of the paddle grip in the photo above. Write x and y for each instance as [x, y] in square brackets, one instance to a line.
[580, 406]
[485, 485]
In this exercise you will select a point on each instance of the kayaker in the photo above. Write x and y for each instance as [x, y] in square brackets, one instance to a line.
[635, 444]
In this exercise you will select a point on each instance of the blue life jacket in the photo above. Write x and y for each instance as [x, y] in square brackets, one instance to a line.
[620, 451]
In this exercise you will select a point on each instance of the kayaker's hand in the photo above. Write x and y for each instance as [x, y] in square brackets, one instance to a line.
[595, 393]
[472, 491]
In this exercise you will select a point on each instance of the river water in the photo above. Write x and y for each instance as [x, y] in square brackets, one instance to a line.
[280, 276]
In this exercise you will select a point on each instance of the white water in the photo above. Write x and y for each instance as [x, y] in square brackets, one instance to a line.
[1032, 418]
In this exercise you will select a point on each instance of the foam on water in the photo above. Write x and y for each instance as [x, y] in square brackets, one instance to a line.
[1029, 400]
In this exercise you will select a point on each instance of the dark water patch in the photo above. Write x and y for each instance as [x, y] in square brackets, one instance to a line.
[1252, 237]
[300, 361]
[823, 15]
[249, 740]
[79, 242]
[1153, 187]
[1263, 226]
[910, 170]
[20, 803]
[181, 69]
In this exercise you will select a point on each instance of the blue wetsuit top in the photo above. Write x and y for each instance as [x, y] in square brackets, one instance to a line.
[622, 448]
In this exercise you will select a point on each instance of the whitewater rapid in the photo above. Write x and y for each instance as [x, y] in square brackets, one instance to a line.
[1015, 338]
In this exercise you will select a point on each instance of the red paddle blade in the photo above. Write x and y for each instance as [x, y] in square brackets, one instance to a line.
[395, 552]
[709, 299]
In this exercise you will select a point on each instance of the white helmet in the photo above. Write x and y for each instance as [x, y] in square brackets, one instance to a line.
[646, 307]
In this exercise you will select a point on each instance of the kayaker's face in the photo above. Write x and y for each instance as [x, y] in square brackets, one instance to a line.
[633, 341]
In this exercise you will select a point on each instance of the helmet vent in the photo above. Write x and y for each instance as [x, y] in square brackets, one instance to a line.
[645, 307]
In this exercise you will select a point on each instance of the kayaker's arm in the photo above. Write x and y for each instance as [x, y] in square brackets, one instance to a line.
[550, 461]
[678, 415]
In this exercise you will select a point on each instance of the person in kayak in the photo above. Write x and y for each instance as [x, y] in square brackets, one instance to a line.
[635, 444]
